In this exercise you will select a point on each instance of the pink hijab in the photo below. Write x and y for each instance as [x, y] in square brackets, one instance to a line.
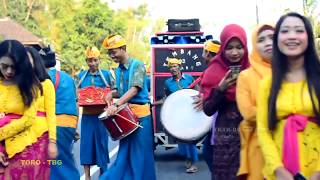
[219, 66]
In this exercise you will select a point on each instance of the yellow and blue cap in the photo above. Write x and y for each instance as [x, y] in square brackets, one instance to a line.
[114, 41]
[92, 52]
[173, 61]
[211, 47]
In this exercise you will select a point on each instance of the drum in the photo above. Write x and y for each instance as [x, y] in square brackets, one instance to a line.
[123, 123]
[91, 95]
[181, 120]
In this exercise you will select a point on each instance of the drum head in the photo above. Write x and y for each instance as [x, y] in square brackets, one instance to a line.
[103, 116]
[181, 120]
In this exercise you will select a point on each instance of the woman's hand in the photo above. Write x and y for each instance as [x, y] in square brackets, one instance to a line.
[283, 174]
[198, 102]
[227, 81]
[3, 159]
[315, 176]
[52, 150]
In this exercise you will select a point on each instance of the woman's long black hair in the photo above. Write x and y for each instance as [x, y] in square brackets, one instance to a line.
[280, 68]
[25, 78]
[38, 64]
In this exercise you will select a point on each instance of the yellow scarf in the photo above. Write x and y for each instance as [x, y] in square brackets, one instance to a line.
[260, 65]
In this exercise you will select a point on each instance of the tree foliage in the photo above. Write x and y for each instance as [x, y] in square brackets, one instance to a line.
[71, 26]
[309, 8]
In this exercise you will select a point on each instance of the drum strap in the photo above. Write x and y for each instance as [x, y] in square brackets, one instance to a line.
[101, 75]
[56, 84]
[103, 78]
[81, 79]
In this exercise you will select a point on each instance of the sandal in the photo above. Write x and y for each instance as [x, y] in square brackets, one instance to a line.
[192, 169]
[188, 164]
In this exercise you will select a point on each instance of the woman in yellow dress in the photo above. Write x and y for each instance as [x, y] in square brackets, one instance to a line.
[19, 89]
[251, 160]
[45, 124]
[288, 116]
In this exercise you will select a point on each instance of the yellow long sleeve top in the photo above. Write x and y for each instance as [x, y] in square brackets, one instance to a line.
[251, 160]
[17, 134]
[46, 103]
[293, 98]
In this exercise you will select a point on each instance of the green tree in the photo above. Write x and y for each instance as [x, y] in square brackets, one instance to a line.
[20, 11]
[92, 22]
[136, 34]
[309, 9]
[70, 26]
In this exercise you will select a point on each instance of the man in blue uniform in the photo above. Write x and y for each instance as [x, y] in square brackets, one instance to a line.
[94, 137]
[177, 82]
[135, 157]
[67, 119]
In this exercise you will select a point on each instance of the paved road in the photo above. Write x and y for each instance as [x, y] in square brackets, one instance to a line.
[169, 166]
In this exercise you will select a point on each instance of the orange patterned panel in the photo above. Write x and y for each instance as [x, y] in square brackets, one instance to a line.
[92, 96]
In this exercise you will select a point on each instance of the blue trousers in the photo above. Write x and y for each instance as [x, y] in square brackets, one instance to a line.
[93, 142]
[67, 168]
[135, 159]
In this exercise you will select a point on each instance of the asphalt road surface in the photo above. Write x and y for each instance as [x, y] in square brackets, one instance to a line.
[169, 165]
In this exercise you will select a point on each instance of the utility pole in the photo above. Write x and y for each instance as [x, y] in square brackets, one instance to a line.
[304, 7]
[257, 12]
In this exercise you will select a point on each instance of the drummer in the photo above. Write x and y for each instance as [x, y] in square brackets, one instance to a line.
[210, 50]
[175, 83]
[135, 156]
[94, 137]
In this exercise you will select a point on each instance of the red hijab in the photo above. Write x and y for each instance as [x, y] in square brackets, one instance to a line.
[219, 66]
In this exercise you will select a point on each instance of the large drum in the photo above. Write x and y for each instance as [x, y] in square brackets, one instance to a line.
[181, 120]
[123, 123]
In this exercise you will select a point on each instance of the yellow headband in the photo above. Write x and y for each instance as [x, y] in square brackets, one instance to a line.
[212, 47]
[172, 61]
[114, 41]
[92, 52]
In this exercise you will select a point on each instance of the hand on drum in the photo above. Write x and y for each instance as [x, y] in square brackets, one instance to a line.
[227, 81]
[108, 99]
[111, 110]
[198, 100]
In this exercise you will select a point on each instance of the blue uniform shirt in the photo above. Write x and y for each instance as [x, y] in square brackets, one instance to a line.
[171, 85]
[66, 97]
[95, 79]
[130, 75]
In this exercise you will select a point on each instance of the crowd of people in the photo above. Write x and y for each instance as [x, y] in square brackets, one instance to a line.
[264, 106]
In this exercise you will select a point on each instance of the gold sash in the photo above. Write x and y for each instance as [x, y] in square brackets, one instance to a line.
[140, 110]
[65, 120]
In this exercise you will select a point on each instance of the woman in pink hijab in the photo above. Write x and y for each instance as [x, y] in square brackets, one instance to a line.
[219, 94]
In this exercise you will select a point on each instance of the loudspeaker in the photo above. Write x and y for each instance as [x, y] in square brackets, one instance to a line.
[183, 25]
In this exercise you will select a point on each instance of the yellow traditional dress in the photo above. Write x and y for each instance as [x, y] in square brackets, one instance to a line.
[17, 134]
[21, 143]
[251, 160]
[293, 98]
[46, 112]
